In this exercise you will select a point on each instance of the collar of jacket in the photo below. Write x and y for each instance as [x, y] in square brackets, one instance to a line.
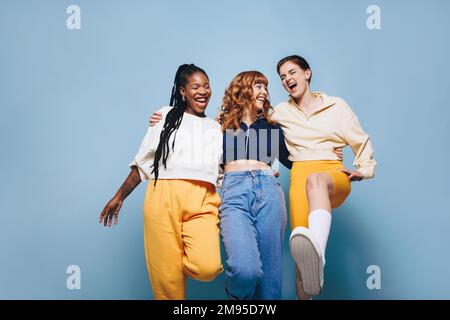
[255, 123]
[327, 101]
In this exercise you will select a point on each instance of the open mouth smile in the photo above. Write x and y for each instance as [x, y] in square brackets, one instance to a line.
[201, 99]
[261, 98]
[292, 85]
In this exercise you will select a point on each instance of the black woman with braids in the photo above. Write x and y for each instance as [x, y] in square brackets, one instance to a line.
[180, 156]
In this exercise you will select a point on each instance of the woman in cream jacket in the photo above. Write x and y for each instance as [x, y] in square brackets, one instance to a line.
[314, 124]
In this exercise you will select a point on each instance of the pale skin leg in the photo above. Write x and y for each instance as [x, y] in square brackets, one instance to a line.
[319, 189]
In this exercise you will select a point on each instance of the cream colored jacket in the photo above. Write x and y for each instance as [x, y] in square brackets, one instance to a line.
[332, 125]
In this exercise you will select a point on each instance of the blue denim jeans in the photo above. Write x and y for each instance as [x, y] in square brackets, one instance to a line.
[252, 224]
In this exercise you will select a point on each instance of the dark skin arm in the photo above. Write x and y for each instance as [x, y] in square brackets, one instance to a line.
[112, 208]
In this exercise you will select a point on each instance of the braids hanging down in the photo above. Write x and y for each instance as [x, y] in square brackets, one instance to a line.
[174, 116]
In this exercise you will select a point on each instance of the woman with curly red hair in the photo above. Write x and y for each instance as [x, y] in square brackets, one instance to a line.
[252, 210]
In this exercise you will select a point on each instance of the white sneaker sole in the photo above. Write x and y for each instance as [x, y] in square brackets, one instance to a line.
[308, 258]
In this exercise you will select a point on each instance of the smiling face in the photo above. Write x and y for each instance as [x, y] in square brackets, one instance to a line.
[259, 95]
[197, 93]
[294, 79]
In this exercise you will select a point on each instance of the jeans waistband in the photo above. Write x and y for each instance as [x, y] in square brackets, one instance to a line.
[245, 173]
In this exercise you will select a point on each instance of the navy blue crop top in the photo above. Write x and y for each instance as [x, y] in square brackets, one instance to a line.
[262, 142]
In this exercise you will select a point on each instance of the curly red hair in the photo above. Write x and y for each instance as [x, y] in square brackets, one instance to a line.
[239, 96]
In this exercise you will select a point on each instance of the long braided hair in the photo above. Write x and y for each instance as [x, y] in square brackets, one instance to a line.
[174, 116]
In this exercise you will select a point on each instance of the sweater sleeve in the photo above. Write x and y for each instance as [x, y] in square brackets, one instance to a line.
[143, 159]
[361, 145]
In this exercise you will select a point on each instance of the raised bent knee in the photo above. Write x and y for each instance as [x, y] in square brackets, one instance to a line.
[248, 275]
[203, 271]
[316, 181]
[242, 276]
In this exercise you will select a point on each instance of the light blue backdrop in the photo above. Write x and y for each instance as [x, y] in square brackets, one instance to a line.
[75, 104]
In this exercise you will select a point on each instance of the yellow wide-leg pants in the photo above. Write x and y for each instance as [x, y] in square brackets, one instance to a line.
[181, 235]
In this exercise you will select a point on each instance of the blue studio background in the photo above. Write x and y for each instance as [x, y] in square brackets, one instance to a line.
[75, 104]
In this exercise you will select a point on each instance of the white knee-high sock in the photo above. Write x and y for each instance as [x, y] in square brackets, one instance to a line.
[319, 222]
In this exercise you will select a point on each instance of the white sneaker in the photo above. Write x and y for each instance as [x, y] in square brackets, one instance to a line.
[308, 257]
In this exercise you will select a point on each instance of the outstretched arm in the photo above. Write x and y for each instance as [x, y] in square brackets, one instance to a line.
[112, 208]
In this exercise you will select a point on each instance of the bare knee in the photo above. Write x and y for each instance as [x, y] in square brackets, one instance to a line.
[316, 181]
